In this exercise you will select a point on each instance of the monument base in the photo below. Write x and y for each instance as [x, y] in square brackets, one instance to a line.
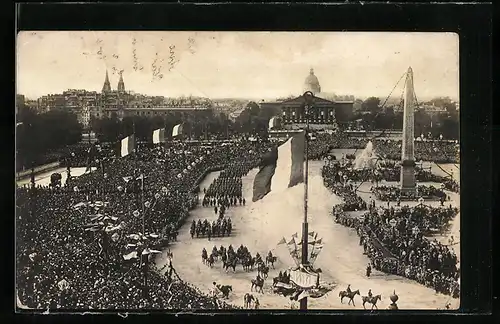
[407, 178]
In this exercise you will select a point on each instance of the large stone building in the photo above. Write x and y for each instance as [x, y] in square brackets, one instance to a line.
[324, 115]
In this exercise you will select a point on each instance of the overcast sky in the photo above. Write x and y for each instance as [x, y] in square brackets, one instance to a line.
[237, 64]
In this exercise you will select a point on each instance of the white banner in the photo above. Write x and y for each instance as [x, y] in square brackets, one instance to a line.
[304, 279]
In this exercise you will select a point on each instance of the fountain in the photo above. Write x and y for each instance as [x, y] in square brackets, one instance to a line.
[367, 159]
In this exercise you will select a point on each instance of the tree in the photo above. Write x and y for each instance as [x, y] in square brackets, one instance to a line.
[37, 135]
[253, 108]
[371, 104]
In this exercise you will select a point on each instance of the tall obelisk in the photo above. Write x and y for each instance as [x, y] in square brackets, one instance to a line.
[408, 184]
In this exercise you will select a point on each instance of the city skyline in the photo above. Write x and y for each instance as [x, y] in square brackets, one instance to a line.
[259, 65]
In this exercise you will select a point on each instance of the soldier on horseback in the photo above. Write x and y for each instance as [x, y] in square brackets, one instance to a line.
[258, 258]
[348, 289]
[370, 293]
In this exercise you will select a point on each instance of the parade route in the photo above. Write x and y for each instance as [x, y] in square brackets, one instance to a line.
[260, 226]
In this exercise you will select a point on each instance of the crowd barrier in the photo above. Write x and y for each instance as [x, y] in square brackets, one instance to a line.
[42, 168]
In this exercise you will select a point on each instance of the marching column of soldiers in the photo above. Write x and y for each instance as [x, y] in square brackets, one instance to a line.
[226, 190]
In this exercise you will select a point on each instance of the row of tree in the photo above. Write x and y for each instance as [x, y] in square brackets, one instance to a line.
[38, 134]
[374, 116]
[196, 124]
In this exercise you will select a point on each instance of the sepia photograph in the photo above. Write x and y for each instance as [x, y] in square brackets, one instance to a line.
[188, 170]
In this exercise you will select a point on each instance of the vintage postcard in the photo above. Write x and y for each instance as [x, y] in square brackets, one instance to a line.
[237, 170]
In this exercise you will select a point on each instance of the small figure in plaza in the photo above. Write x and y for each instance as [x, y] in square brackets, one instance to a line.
[368, 270]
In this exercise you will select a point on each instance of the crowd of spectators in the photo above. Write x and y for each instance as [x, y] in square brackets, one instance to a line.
[342, 187]
[395, 242]
[430, 150]
[72, 241]
[393, 193]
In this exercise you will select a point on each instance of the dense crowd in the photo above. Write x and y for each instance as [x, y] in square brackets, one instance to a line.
[74, 243]
[336, 182]
[393, 193]
[434, 150]
[401, 247]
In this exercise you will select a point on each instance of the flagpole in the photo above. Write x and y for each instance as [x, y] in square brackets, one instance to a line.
[305, 225]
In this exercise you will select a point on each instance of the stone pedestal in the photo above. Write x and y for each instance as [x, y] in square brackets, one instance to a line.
[407, 178]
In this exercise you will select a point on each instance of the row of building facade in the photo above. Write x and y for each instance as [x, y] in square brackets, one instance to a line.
[107, 103]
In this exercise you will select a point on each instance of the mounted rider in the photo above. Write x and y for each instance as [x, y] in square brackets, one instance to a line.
[348, 290]
[258, 258]
[370, 293]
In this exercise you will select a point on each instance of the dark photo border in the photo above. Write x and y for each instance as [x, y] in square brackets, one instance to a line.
[472, 22]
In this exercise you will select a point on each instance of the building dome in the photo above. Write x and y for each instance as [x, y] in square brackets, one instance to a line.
[312, 83]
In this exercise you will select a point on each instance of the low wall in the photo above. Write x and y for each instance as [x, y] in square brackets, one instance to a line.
[38, 169]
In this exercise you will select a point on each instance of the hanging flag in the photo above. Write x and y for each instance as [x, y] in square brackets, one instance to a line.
[282, 241]
[291, 242]
[177, 130]
[319, 241]
[284, 164]
[273, 123]
[295, 235]
[159, 136]
[128, 145]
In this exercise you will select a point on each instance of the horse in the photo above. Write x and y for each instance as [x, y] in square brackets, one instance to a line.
[230, 264]
[371, 300]
[257, 284]
[246, 263]
[256, 304]
[247, 300]
[271, 260]
[210, 261]
[264, 270]
[349, 295]
[225, 289]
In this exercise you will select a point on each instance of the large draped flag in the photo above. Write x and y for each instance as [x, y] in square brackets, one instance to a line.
[281, 167]
[177, 130]
[159, 136]
[128, 145]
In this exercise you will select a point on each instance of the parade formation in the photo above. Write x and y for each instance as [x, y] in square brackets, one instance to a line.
[306, 213]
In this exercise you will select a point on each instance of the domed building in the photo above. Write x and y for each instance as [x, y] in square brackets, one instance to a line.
[312, 83]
